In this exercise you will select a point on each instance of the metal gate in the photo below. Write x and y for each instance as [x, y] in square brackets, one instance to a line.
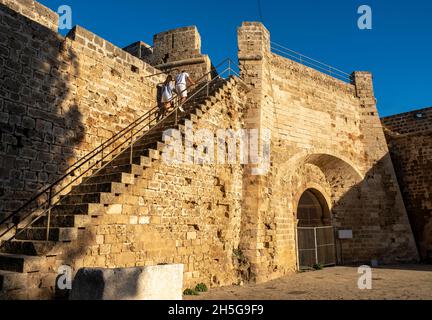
[316, 245]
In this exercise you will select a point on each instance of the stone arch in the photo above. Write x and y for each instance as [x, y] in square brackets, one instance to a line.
[329, 174]
[313, 209]
[339, 173]
[326, 162]
[319, 189]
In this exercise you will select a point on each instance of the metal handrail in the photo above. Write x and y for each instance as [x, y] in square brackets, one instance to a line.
[303, 59]
[145, 120]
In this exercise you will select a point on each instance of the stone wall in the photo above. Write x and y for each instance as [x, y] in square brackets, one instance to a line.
[62, 96]
[326, 136]
[59, 97]
[409, 137]
[179, 213]
[140, 50]
[34, 11]
[173, 51]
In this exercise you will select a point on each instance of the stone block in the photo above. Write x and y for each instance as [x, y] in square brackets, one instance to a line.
[161, 282]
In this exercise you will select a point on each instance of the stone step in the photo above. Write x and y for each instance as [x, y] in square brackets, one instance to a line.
[65, 221]
[144, 144]
[144, 147]
[55, 234]
[194, 118]
[160, 146]
[125, 158]
[23, 220]
[164, 124]
[126, 168]
[32, 293]
[154, 134]
[137, 152]
[113, 177]
[12, 281]
[92, 209]
[142, 161]
[204, 108]
[110, 187]
[214, 99]
[19, 263]
[30, 248]
[97, 197]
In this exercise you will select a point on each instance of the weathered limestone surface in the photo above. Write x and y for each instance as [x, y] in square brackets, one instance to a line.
[326, 135]
[173, 51]
[61, 97]
[34, 11]
[409, 137]
[185, 213]
[162, 282]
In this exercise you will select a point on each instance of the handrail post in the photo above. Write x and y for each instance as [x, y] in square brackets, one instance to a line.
[102, 153]
[131, 148]
[176, 107]
[316, 245]
[49, 214]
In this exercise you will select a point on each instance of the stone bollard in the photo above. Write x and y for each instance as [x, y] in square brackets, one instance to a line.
[161, 282]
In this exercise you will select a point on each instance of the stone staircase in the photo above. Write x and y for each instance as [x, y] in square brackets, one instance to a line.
[27, 263]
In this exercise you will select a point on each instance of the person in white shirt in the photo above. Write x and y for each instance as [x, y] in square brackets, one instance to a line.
[167, 96]
[182, 81]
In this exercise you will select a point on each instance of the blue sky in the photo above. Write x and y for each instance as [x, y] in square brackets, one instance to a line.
[398, 50]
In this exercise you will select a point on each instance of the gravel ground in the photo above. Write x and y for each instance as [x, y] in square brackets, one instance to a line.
[400, 282]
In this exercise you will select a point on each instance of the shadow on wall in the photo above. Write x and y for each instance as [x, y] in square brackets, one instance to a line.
[370, 205]
[373, 209]
[108, 284]
[41, 124]
[412, 163]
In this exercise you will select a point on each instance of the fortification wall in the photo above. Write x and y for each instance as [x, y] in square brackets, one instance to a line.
[171, 213]
[34, 11]
[409, 137]
[325, 136]
[175, 50]
[60, 97]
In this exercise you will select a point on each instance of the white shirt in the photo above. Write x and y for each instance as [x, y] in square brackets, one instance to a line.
[181, 78]
[167, 92]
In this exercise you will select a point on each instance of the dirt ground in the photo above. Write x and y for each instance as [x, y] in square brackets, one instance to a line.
[401, 282]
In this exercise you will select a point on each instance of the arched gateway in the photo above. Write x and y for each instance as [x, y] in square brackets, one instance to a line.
[315, 234]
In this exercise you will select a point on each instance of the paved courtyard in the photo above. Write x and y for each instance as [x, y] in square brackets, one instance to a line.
[402, 282]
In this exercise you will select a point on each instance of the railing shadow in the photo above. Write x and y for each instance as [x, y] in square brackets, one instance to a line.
[45, 126]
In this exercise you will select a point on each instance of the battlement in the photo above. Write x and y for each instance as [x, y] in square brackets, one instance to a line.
[140, 49]
[173, 50]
